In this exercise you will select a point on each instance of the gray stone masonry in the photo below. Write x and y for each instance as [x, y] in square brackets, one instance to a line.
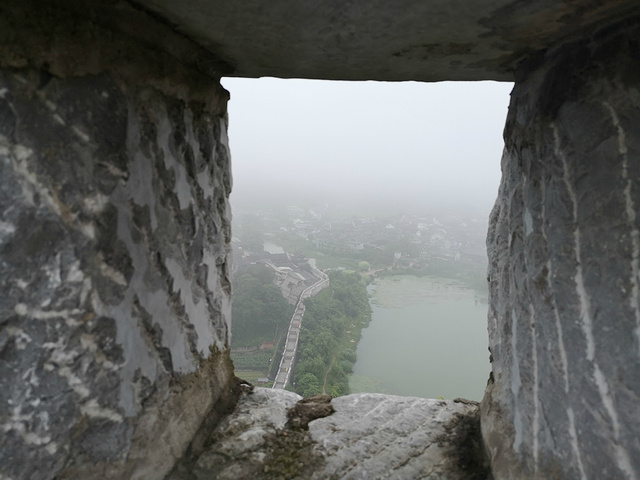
[399, 40]
[114, 246]
[369, 436]
[564, 247]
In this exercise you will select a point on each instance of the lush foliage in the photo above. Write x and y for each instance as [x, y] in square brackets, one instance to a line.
[329, 335]
[259, 310]
[258, 360]
[472, 274]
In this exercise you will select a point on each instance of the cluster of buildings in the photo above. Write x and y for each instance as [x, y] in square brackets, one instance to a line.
[404, 241]
[292, 273]
[398, 241]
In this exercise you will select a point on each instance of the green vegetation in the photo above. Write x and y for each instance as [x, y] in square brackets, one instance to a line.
[324, 259]
[259, 310]
[257, 361]
[335, 256]
[333, 320]
[260, 314]
[329, 337]
[473, 274]
[248, 375]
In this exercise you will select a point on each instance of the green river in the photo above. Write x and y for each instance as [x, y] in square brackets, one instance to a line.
[427, 338]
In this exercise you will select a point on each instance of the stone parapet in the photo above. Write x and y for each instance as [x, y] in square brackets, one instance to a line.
[369, 435]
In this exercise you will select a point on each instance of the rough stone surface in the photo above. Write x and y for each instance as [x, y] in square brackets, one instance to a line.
[241, 444]
[564, 246]
[369, 436]
[383, 40]
[71, 38]
[385, 436]
[114, 246]
[309, 409]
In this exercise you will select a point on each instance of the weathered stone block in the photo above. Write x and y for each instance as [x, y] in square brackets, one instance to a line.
[370, 436]
[564, 247]
[114, 255]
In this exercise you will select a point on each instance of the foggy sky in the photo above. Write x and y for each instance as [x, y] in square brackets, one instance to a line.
[408, 144]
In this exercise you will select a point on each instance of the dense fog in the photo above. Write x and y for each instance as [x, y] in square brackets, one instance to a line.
[386, 188]
[408, 147]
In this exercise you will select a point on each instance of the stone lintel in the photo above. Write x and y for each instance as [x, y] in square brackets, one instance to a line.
[384, 40]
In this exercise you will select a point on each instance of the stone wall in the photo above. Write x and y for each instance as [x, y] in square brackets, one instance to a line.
[564, 243]
[114, 248]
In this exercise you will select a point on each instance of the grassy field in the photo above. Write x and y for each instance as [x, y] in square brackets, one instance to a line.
[324, 260]
[257, 361]
[249, 375]
[252, 376]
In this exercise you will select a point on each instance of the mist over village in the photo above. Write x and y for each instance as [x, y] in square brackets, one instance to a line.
[371, 147]
[388, 217]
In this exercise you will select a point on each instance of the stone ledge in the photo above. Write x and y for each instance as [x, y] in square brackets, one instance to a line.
[369, 436]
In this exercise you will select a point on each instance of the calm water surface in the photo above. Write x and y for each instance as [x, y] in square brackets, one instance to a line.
[427, 338]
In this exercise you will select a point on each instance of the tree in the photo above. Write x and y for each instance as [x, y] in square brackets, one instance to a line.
[324, 334]
[364, 266]
[309, 385]
[259, 309]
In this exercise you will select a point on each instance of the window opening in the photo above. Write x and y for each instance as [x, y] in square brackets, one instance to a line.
[386, 188]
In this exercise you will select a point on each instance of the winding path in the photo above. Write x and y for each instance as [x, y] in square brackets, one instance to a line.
[293, 334]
